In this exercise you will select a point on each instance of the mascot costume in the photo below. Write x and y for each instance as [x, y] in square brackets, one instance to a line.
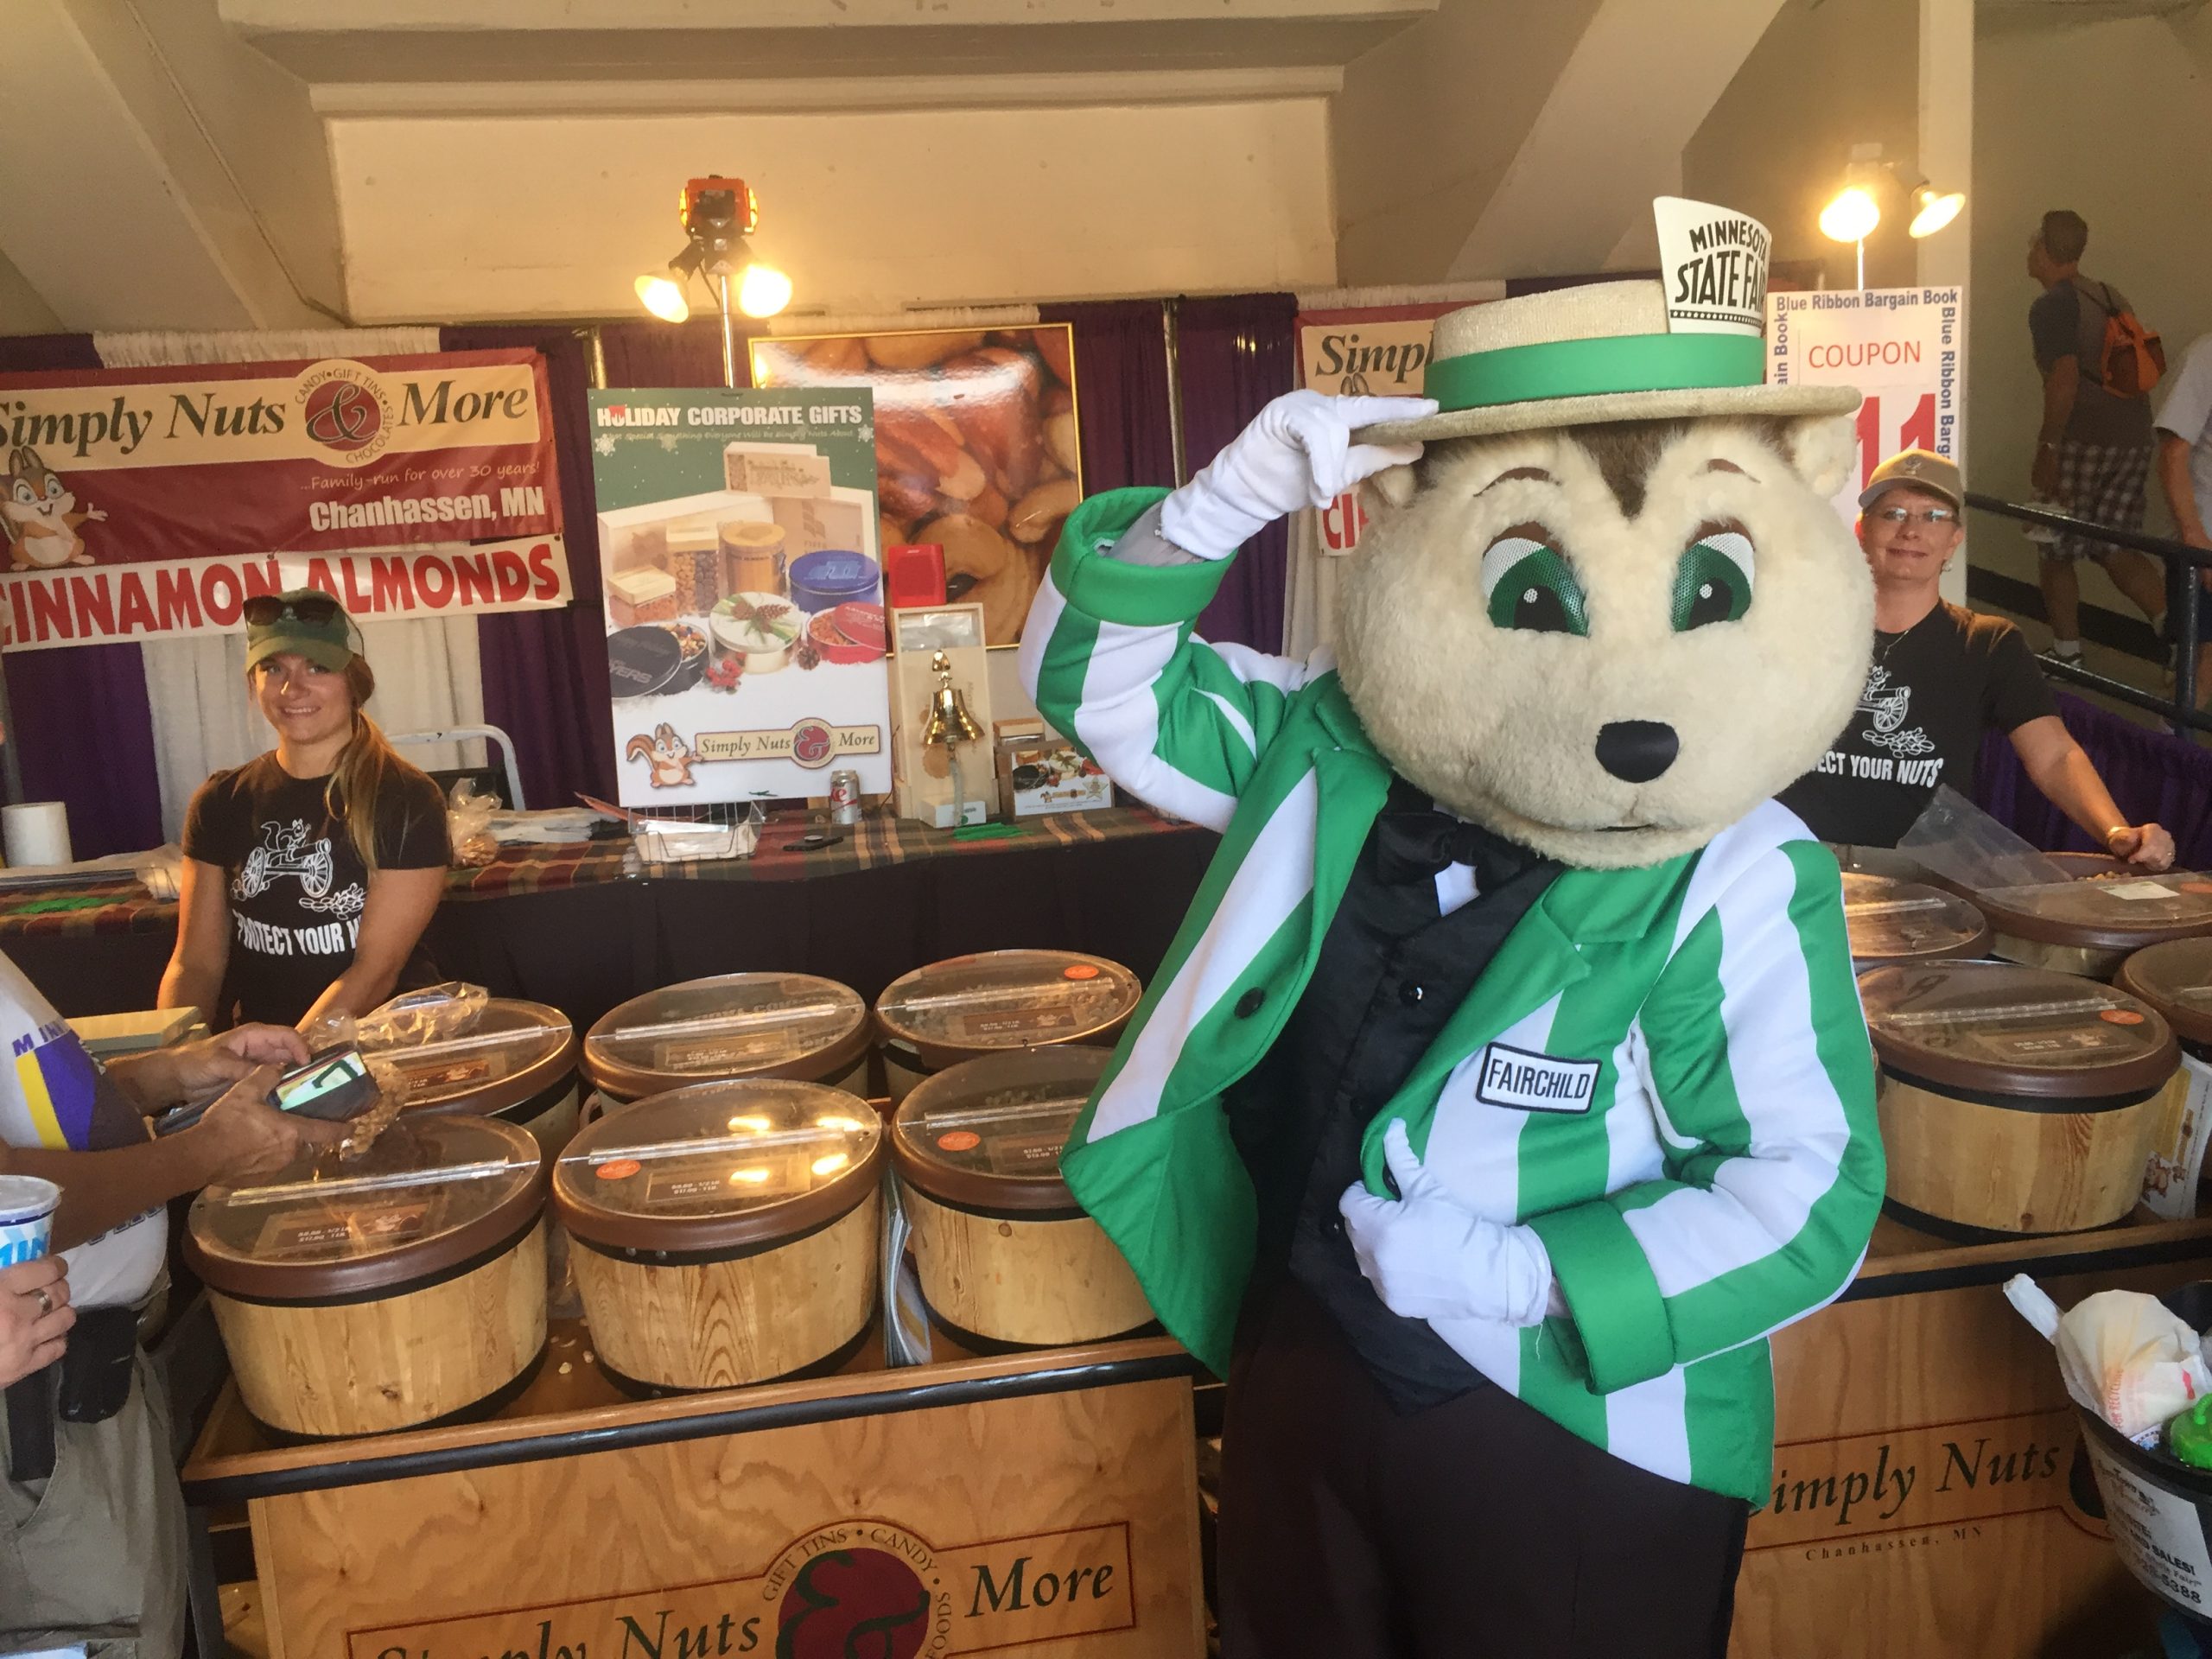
[1507, 1083]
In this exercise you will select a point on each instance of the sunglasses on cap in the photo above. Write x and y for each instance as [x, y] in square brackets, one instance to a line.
[266, 610]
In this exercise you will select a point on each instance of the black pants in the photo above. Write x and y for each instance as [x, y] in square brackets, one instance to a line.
[1477, 1528]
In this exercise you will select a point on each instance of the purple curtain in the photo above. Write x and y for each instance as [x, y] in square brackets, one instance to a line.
[1237, 353]
[2154, 776]
[1121, 388]
[83, 731]
[647, 353]
[545, 671]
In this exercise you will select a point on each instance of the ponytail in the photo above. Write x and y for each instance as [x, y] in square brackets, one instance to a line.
[366, 766]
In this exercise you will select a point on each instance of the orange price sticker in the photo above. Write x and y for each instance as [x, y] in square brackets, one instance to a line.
[960, 1140]
[619, 1169]
[2197, 887]
[2120, 1016]
[1079, 970]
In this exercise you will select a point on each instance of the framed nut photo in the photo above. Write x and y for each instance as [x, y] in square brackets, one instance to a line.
[978, 447]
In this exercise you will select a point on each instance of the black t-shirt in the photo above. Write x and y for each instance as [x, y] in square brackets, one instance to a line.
[1931, 691]
[297, 886]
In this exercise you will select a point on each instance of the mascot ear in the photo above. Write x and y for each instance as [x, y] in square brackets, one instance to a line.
[1393, 485]
[1823, 449]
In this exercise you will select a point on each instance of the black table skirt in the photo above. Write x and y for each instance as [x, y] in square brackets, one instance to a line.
[585, 949]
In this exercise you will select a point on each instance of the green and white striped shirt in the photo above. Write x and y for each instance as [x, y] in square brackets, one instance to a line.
[1665, 1072]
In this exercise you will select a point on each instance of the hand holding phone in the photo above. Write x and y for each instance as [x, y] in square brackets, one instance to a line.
[332, 1086]
[246, 1137]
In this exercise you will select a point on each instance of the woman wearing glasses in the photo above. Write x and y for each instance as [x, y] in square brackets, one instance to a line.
[1940, 677]
[310, 873]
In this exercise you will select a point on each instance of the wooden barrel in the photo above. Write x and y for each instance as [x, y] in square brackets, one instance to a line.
[403, 1288]
[995, 1002]
[1005, 1256]
[518, 1063]
[2176, 979]
[791, 1025]
[725, 1234]
[1890, 921]
[2015, 1100]
[2092, 923]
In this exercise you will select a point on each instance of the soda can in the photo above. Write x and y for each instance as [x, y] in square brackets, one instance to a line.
[844, 797]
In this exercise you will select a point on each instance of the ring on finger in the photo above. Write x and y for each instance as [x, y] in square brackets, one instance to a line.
[45, 1300]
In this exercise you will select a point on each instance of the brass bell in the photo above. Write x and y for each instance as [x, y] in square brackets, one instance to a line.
[946, 720]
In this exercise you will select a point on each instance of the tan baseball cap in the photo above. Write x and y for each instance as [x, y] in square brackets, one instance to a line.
[1922, 468]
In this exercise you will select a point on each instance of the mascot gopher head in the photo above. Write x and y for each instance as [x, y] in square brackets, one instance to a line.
[1611, 609]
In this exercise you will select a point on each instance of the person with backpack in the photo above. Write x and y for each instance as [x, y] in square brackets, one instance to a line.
[2093, 454]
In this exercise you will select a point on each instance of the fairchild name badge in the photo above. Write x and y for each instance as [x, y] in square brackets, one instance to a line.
[1534, 1083]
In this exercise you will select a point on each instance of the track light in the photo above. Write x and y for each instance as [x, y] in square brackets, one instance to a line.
[663, 298]
[1851, 216]
[1933, 211]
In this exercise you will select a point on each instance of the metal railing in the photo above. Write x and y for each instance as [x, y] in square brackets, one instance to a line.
[2185, 598]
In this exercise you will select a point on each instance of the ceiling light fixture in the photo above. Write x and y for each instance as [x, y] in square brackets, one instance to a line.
[717, 213]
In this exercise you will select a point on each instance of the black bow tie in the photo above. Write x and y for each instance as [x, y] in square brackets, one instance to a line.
[1415, 846]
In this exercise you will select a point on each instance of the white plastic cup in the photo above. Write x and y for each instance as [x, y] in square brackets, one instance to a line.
[27, 1205]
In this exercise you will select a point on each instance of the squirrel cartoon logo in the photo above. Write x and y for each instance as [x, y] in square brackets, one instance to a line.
[40, 515]
[668, 756]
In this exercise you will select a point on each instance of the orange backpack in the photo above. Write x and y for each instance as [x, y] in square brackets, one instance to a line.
[2134, 358]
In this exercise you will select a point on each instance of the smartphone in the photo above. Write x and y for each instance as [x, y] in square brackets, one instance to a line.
[332, 1086]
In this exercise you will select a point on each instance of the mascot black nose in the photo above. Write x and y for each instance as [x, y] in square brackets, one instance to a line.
[1637, 750]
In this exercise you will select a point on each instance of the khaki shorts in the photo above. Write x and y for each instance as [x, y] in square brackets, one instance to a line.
[96, 1553]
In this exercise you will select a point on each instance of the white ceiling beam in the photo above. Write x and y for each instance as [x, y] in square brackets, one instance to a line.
[417, 98]
[1575, 192]
[114, 204]
[504, 16]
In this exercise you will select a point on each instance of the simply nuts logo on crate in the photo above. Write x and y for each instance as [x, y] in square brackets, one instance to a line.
[861, 1587]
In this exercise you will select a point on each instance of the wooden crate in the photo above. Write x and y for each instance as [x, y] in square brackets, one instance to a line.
[1926, 1488]
[1047, 1503]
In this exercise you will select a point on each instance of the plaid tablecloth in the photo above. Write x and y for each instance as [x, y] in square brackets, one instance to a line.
[126, 907]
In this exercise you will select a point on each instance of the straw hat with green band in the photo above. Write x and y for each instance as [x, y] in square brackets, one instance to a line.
[1575, 356]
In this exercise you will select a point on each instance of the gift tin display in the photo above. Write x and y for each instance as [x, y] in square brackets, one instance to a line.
[1890, 921]
[518, 1063]
[726, 1233]
[966, 1007]
[2176, 979]
[1003, 1253]
[733, 1026]
[831, 577]
[643, 661]
[2015, 1100]
[382, 1291]
[2092, 924]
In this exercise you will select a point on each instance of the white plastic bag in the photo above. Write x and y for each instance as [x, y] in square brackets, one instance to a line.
[2124, 1354]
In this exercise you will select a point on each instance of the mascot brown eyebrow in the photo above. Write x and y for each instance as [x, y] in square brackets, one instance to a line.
[1507, 1083]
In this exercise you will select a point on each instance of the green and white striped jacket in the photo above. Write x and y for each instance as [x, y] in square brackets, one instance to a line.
[1717, 1173]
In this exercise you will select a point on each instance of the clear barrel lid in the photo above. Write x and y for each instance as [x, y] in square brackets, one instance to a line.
[432, 1192]
[988, 1133]
[1999, 1029]
[2176, 979]
[954, 1009]
[516, 1051]
[736, 1024]
[1892, 920]
[719, 1167]
[2117, 911]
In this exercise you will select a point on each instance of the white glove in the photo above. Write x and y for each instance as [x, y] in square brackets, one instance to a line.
[1297, 453]
[1429, 1258]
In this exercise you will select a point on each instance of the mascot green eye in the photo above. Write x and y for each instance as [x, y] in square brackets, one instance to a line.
[1528, 585]
[1713, 583]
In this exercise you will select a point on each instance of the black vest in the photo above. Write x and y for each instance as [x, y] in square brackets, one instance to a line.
[1391, 971]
